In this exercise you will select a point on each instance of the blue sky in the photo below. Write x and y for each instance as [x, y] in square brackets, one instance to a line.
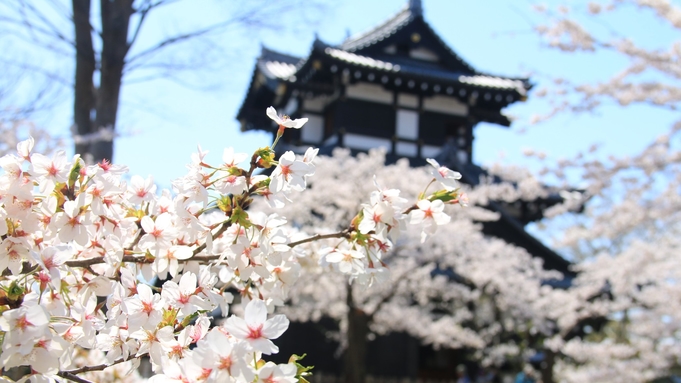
[162, 122]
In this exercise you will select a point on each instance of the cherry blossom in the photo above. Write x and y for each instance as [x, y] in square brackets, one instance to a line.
[272, 373]
[49, 171]
[447, 177]
[159, 233]
[290, 173]
[430, 214]
[285, 121]
[256, 329]
[81, 247]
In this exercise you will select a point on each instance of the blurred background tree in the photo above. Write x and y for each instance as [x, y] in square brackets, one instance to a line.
[108, 40]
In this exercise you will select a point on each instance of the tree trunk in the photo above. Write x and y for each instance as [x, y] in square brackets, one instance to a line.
[356, 352]
[96, 109]
[547, 366]
[84, 94]
[115, 24]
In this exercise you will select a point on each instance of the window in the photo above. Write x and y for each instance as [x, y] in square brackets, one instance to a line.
[407, 124]
[407, 131]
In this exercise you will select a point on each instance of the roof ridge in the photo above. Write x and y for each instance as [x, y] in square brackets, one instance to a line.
[416, 7]
[270, 54]
[406, 14]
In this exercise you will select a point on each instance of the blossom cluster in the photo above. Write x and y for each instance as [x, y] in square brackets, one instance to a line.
[460, 288]
[92, 260]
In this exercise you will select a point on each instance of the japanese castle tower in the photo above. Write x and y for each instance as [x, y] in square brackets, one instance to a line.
[400, 87]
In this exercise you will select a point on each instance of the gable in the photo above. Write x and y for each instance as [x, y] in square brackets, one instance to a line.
[407, 36]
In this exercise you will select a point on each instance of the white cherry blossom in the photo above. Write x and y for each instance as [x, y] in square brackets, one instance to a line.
[256, 329]
[285, 121]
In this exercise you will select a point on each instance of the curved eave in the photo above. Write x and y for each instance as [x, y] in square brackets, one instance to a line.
[510, 230]
[271, 69]
[508, 227]
[241, 114]
[354, 61]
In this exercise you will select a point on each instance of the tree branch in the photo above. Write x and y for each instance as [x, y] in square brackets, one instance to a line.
[71, 373]
[137, 259]
[175, 40]
[49, 30]
[143, 11]
[72, 377]
[341, 234]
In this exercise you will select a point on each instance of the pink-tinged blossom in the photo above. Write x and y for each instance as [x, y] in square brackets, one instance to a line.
[430, 214]
[199, 330]
[182, 371]
[463, 199]
[376, 217]
[224, 356]
[109, 170]
[159, 233]
[114, 303]
[73, 223]
[447, 177]
[145, 310]
[141, 190]
[49, 171]
[310, 155]
[129, 281]
[274, 200]
[285, 121]
[231, 184]
[23, 325]
[272, 238]
[13, 252]
[207, 280]
[149, 340]
[102, 191]
[42, 355]
[273, 373]
[256, 329]
[247, 258]
[348, 261]
[88, 319]
[51, 259]
[232, 159]
[24, 148]
[287, 272]
[183, 295]
[192, 188]
[11, 165]
[291, 173]
[197, 158]
[175, 348]
[167, 260]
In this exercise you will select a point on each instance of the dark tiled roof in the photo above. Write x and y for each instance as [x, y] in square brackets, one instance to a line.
[277, 65]
[270, 55]
[380, 32]
[480, 80]
[412, 12]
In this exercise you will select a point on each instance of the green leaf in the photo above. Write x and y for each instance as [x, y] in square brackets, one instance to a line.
[444, 195]
[74, 174]
[240, 216]
[225, 204]
[302, 370]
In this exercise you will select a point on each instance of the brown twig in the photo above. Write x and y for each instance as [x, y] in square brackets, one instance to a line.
[70, 374]
[218, 233]
[72, 377]
[341, 234]
[85, 263]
